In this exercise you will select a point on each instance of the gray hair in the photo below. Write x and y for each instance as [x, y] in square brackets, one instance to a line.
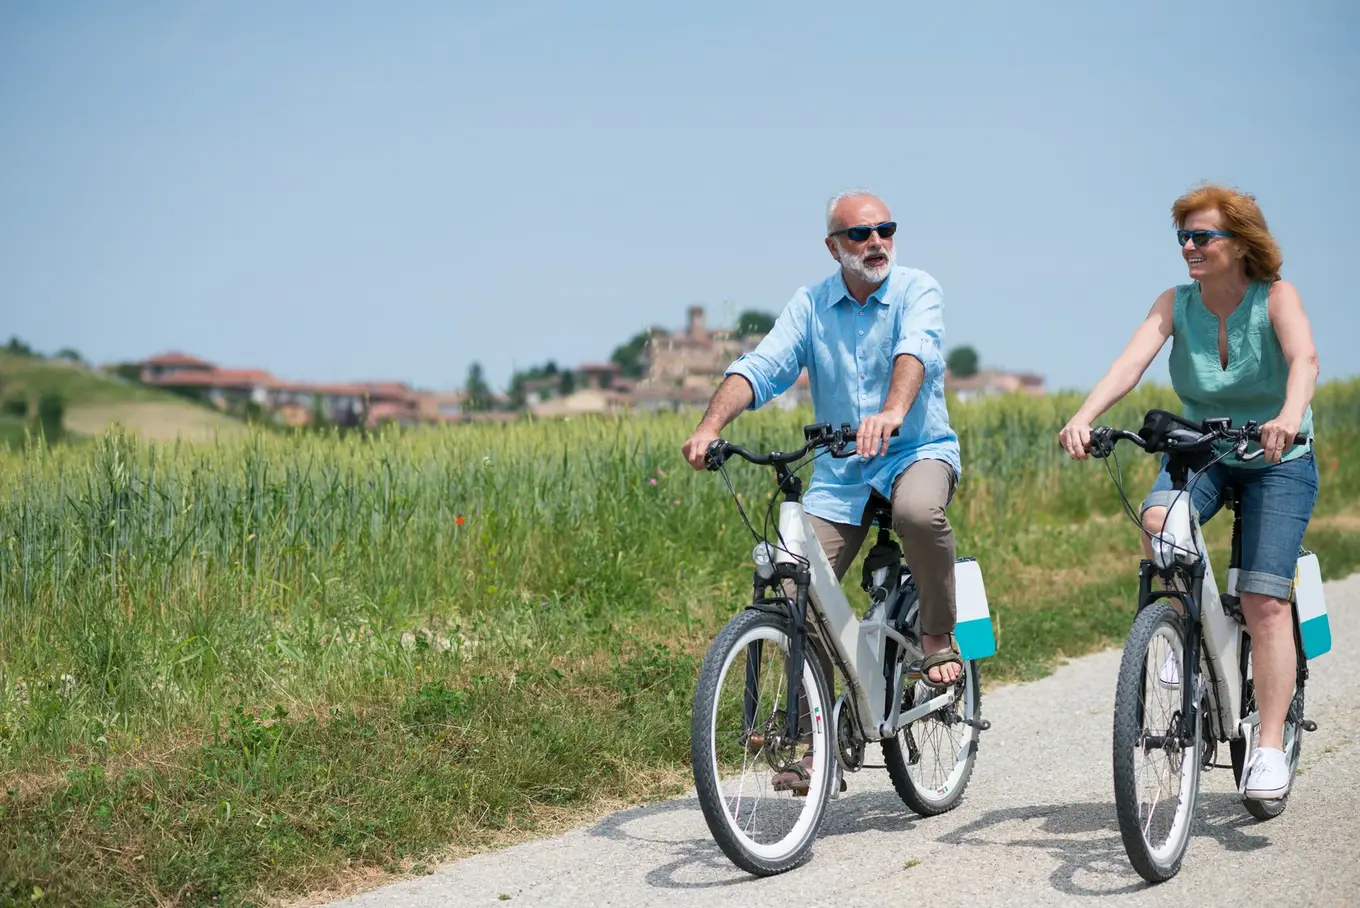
[854, 192]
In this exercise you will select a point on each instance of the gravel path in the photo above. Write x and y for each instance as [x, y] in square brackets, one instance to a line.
[1035, 827]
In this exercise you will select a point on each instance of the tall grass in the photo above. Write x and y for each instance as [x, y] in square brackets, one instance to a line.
[507, 616]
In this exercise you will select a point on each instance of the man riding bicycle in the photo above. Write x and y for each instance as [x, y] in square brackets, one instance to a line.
[870, 337]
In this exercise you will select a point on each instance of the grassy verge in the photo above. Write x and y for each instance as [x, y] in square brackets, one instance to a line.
[93, 400]
[257, 670]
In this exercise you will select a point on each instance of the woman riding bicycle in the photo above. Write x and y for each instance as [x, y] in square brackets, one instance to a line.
[1241, 348]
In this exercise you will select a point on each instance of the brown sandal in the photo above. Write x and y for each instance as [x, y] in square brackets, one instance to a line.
[794, 777]
[938, 658]
[797, 777]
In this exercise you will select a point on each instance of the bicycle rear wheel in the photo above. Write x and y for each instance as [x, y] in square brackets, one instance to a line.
[1156, 775]
[739, 754]
[931, 760]
[1293, 741]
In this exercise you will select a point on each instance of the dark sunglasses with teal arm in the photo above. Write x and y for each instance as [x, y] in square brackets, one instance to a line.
[1201, 238]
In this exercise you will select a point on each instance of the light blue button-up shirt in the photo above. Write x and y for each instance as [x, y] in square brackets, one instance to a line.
[849, 351]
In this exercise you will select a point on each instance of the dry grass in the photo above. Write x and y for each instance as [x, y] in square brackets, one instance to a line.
[161, 421]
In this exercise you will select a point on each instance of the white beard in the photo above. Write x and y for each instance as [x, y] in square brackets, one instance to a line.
[855, 264]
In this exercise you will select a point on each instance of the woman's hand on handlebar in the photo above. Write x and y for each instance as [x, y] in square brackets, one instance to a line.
[1277, 436]
[1075, 439]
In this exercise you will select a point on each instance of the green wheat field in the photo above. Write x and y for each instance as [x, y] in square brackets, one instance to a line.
[243, 672]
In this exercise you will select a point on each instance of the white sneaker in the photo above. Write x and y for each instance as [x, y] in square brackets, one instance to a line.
[1170, 675]
[1267, 777]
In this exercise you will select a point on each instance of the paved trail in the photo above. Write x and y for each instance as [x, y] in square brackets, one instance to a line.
[1036, 826]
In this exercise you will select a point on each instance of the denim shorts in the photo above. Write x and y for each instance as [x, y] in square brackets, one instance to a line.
[1276, 504]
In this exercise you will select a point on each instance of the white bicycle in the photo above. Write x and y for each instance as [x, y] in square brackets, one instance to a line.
[1185, 680]
[774, 720]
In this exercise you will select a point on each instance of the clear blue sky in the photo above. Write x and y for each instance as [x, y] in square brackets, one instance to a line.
[361, 190]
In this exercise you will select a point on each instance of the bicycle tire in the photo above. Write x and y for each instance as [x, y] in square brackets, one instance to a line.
[744, 853]
[1155, 865]
[1237, 748]
[935, 803]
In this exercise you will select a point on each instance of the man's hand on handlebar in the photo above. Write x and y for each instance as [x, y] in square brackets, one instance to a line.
[695, 448]
[872, 437]
[705, 449]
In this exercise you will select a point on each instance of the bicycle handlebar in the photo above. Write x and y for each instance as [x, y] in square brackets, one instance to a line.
[819, 435]
[1166, 433]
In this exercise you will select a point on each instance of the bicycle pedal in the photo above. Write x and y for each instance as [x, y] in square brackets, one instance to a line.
[1308, 725]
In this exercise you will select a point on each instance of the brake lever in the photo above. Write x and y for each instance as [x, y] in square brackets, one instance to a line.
[1101, 443]
[714, 456]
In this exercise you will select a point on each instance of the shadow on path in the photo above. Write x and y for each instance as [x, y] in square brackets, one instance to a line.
[1082, 837]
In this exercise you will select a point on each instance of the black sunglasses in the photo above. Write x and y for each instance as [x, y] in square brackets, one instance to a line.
[860, 234]
[1201, 238]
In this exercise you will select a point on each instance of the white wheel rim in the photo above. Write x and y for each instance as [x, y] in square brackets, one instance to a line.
[1190, 756]
[820, 748]
[940, 793]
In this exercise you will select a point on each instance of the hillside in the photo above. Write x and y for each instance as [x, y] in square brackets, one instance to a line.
[94, 400]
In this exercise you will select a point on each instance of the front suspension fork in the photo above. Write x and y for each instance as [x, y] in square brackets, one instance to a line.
[794, 668]
[797, 647]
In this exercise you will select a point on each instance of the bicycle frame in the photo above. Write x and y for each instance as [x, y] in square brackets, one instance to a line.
[1209, 621]
[861, 646]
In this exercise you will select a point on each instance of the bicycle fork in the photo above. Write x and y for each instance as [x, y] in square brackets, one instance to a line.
[797, 613]
[1192, 682]
[797, 647]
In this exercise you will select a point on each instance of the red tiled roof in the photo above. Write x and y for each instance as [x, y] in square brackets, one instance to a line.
[176, 358]
[389, 390]
[388, 408]
[217, 378]
[336, 389]
[282, 384]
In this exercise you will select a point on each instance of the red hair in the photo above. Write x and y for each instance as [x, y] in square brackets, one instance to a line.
[1242, 218]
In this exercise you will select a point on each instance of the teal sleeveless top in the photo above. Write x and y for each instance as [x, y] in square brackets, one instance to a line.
[1253, 384]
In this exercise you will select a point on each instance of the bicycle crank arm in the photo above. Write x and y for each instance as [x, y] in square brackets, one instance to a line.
[886, 730]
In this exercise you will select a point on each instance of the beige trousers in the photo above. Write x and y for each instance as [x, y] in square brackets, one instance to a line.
[919, 497]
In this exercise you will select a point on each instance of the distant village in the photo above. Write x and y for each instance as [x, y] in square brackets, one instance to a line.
[678, 370]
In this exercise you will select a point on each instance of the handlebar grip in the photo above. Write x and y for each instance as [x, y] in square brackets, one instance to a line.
[1299, 439]
[848, 449]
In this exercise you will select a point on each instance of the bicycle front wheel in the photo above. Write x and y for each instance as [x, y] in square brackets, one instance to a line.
[763, 796]
[1156, 774]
